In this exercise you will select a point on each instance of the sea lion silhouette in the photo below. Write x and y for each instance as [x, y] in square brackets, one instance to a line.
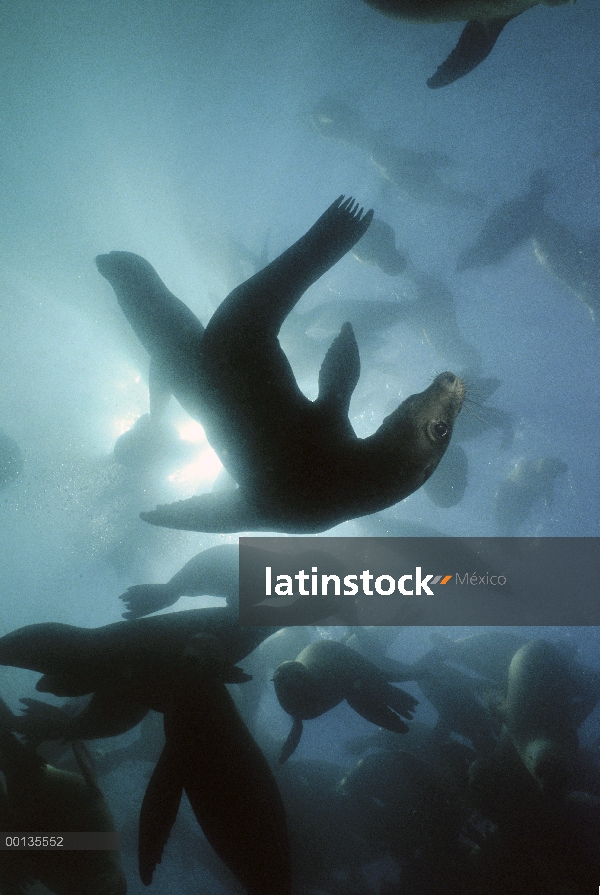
[485, 21]
[327, 672]
[299, 466]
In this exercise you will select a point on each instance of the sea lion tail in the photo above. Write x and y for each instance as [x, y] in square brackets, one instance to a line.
[475, 43]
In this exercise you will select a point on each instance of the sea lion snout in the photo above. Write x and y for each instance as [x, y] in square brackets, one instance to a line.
[451, 382]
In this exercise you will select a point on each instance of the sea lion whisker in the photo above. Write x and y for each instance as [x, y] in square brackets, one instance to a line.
[466, 404]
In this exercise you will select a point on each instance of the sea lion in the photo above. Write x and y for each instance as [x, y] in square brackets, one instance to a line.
[38, 797]
[136, 661]
[299, 466]
[378, 247]
[210, 754]
[573, 260]
[531, 481]
[541, 715]
[485, 22]
[327, 672]
[414, 174]
[507, 226]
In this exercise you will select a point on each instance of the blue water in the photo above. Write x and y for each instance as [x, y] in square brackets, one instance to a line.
[172, 130]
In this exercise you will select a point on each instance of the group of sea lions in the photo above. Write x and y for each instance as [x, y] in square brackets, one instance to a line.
[424, 796]
[496, 791]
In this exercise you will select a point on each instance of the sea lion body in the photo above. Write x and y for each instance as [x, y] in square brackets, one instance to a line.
[139, 660]
[436, 11]
[378, 247]
[327, 672]
[540, 714]
[507, 226]
[211, 755]
[299, 466]
[485, 21]
[39, 798]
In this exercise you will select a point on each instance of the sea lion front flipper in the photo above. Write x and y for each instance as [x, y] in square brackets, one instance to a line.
[475, 43]
[291, 744]
[158, 812]
[264, 301]
[383, 705]
[223, 512]
[340, 371]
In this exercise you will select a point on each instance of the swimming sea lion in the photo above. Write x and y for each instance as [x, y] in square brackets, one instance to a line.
[531, 481]
[136, 661]
[574, 260]
[299, 466]
[485, 21]
[378, 247]
[210, 754]
[326, 673]
[39, 798]
[541, 714]
[508, 226]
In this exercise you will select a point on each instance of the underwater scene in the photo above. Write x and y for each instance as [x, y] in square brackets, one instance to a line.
[325, 268]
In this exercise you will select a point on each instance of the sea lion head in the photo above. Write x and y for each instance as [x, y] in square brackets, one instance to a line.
[294, 690]
[418, 432]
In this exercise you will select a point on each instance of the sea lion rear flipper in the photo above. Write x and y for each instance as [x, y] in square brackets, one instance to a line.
[223, 512]
[291, 744]
[142, 599]
[158, 812]
[340, 371]
[475, 43]
[264, 301]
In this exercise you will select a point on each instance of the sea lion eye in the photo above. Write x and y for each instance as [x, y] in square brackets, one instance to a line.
[440, 430]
